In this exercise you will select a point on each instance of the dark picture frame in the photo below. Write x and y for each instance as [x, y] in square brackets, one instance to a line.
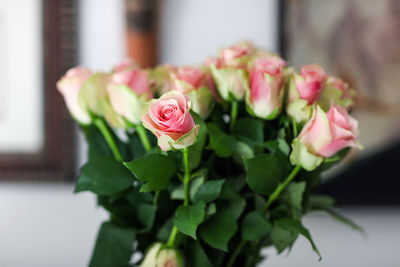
[371, 179]
[56, 159]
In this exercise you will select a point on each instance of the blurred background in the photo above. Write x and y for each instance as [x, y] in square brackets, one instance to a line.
[44, 224]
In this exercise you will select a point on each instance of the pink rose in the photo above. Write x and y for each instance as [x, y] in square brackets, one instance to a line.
[193, 82]
[69, 86]
[232, 56]
[127, 63]
[310, 82]
[324, 135]
[339, 92]
[304, 90]
[170, 120]
[264, 99]
[128, 91]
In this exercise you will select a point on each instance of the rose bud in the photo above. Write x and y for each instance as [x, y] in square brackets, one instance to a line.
[193, 82]
[304, 90]
[69, 86]
[324, 135]
[128, 91]
[160, 256]
[126, 64]
[230, 74]
[339, 92]
[264, 99]
[169, 119]
[160, 78]
[94, 95]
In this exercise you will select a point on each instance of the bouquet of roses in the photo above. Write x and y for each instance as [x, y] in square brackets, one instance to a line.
[206, 165]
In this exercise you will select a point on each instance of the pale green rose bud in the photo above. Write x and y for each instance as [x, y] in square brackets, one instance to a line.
[94, 95]
[337, 92]
[231, 83]
[160, 256]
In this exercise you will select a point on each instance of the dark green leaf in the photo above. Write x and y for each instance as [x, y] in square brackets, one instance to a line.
[282, 238]
[114, 246]
[295, 225]
[250, 130]
[196, 150]
[320, 201]
[255, 226]
[222, 143]
[187, 218]
[146, 214]
[103, 175]
[196, 255]
[209, 191]
[295, 196]
[219, 229]
[340, 218]
[154, 170]
[264, 174]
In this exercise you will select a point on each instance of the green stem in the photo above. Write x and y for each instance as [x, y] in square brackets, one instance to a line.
[234, 113]
[156, 197]
[99, 123]
[282, 186]
[186, 178]
[143, 137]
[172, 237]
[294, 126]
[236, 253]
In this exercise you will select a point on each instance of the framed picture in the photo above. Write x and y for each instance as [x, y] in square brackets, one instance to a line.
[358, 41]
[38, 44]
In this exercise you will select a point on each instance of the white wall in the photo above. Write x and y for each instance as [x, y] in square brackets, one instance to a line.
[44, 225]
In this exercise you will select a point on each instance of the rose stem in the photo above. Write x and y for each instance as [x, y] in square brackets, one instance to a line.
[234, 113]
[143, 137]
[282, 186]
[99, 123]
[271, 199]
[294, 126]
[186, 180]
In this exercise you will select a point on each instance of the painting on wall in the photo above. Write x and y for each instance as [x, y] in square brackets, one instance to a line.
[38, 43]
[358, 41]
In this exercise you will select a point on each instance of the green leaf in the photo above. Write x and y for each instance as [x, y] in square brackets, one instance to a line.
[196, 255]
[264, 174]
[187, 218]
[255, 226]
[249, 130]
[196, 150]
[222, 143]
[341, 218]
[154, 170]
[320, 201]
[295, 195]
[219, 229]
[103, 175]
[114, 246]
[179, 191]
[211, 209]
[209, 191]
[146, 214]
[295, 225]
[282, 238]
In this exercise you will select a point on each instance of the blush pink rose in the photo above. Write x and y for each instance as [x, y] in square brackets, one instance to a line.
[69, 86]
[264, 99]
[128, 91]
[169, 119]
[309, 83]
[338, 92]
[324, 135]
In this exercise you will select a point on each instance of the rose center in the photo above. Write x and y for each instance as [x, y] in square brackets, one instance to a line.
[167, 112]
